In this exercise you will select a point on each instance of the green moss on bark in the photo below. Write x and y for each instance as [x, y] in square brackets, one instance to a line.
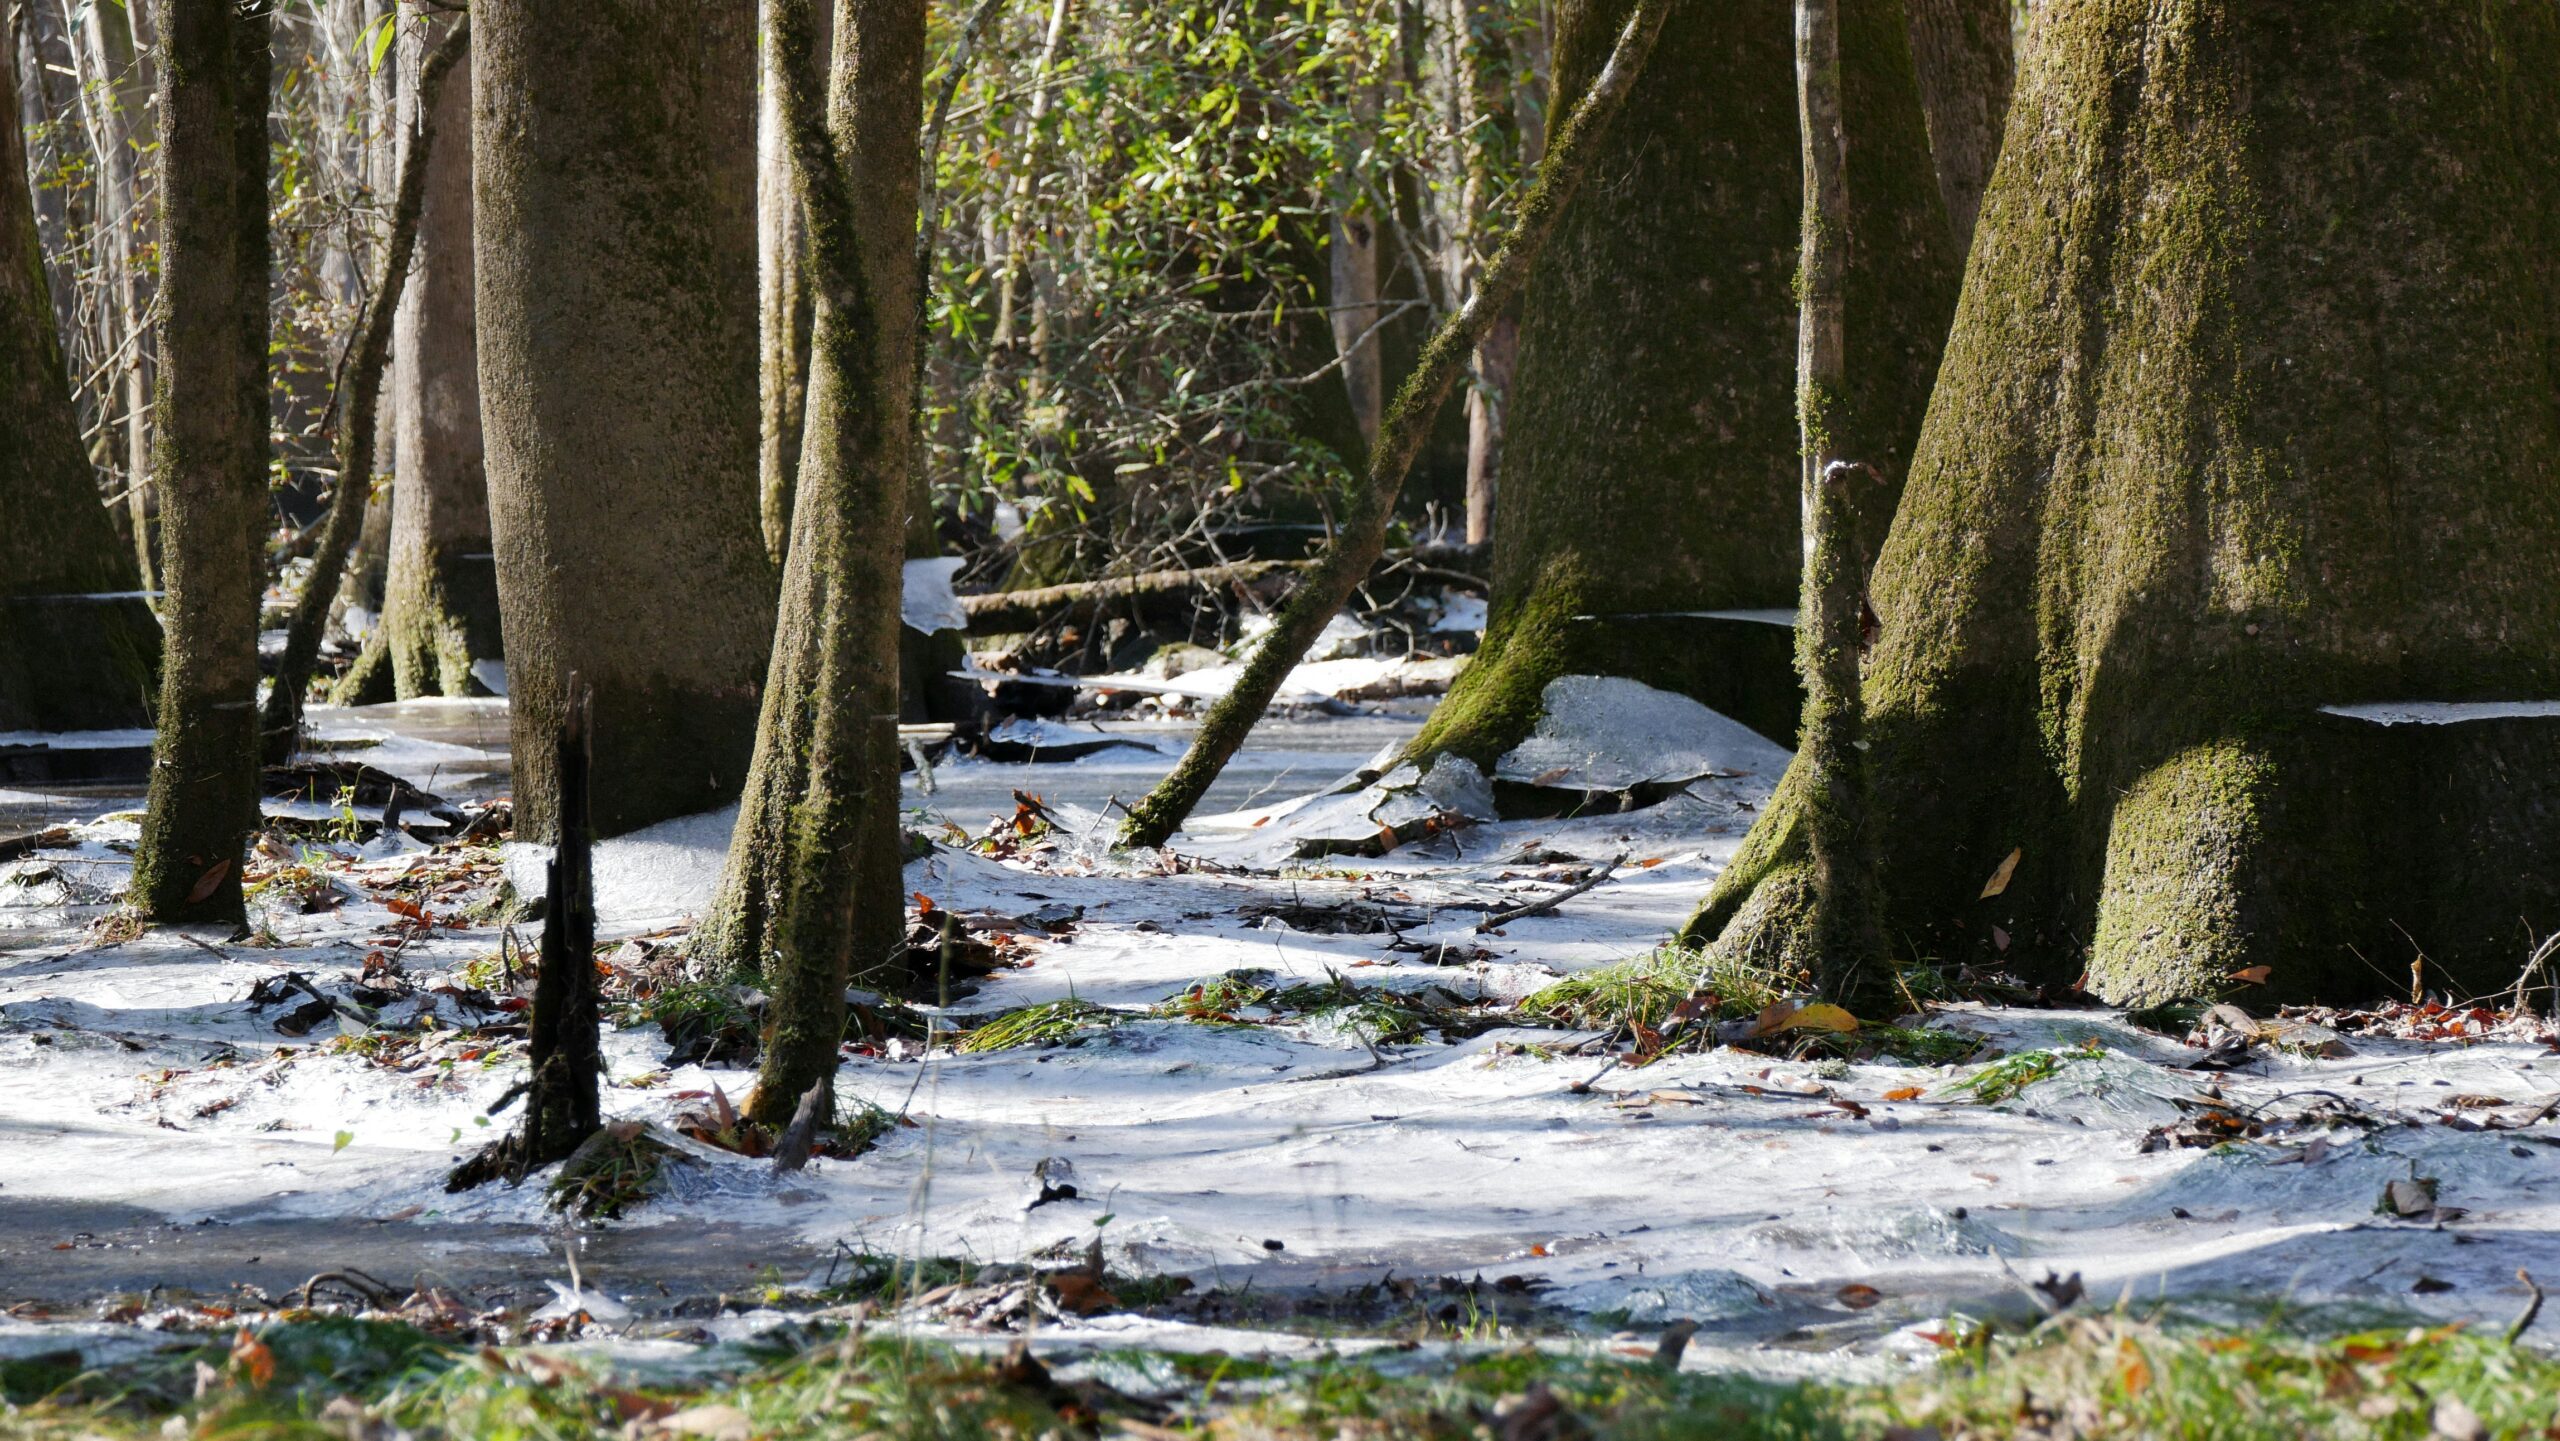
[1650, 462]
[2249, 409]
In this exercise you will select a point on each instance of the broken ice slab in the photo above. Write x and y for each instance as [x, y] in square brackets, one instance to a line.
[1607, 733]
[2443, 712]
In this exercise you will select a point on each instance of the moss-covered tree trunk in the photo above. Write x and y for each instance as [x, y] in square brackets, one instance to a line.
[613, 188]
[811, 895]
[440, 598]
[782, 296]
[69, 659]
[210, 460]
[1961, 52]
[1650, 462]
[2250, 409]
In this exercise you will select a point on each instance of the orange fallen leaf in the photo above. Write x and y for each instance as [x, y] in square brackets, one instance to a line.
[2252, 975]
[251, 1358]
[205, 884]
[1858, 1296]
[1648, 863]
[1903, 1093]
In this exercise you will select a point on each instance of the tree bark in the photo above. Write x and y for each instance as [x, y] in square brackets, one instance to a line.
[782, 293]
[210, 463]
[1961, 50]
[811, 895]
[69, 660]
[2247, 412]
[1840, 870]
[440, 601]
[280, 723]
[1651, 464]
[613, 209]
[1356, 545]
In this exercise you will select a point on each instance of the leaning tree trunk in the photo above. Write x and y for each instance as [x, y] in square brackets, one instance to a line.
[1650, 466]
[440, 601]
[811, 895]
[76, 645]
[211, 461]
[1961, 51]
[2249, 412]
[614, 210]
[782, 296]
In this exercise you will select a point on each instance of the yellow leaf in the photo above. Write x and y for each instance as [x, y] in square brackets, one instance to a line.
[2000, 878]
[1821, 1016]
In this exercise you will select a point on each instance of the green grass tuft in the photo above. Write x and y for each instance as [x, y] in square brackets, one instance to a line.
[1045, 1024]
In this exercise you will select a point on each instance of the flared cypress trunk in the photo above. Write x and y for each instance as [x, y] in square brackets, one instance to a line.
[1650, 466]
[2250, 410]
[69, 660]
[811, 895]
[614, 210]
[211, 457]
[440, 600]
[1961, 52]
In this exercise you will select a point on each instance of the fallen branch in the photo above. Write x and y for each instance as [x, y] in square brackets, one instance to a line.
[1361, 538]
[2532, 1308]
[1499, 919]
[1081, 601]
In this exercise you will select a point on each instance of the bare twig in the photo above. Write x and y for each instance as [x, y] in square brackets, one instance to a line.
[1502, 918]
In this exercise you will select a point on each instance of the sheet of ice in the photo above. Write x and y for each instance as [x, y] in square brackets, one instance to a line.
[926, 601]
[1726, 1186]
[77, 740]
[655, 876]
[492, 675]
[1460, 614]
[1778, 616]
[2443, 712]
[1607, 733]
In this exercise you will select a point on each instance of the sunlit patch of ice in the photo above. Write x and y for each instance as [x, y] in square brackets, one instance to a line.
[2443, 712]
[1608, 733]
[926, 601]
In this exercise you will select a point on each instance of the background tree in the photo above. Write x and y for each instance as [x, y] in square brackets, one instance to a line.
[69, 659]
[440, 604]
[614, 188]
[811, 894]
[1650, 467]
[211, 457]
[2248, 412]
[1962, 51]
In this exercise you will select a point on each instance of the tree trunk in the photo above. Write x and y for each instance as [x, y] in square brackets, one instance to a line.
[211, 462]
[440, 599]
[357, 414]
[69, 660]
[811, 895]
[2247, 412]
[614, 204]
[1357, 543]
[1651, 460]
[782, 294]
[1961, 50]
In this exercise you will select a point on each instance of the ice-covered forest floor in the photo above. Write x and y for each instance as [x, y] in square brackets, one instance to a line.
[1297, 1098]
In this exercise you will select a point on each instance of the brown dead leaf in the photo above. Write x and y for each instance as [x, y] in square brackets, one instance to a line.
[1858, 1296]
[2253, 975]
[1079, 1292]
[1548, 778]
[2000, 878]
[207, 883]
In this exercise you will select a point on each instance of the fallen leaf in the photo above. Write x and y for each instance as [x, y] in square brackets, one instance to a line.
[1079, 1292]
[207, 883]
[1648, 863]
[2000, 878]
[720, 1423]
[344, 1139]
[251, 1358]
[1548, 778]
[1822, 1016]
[1903, 1093]
[1858, 1296]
